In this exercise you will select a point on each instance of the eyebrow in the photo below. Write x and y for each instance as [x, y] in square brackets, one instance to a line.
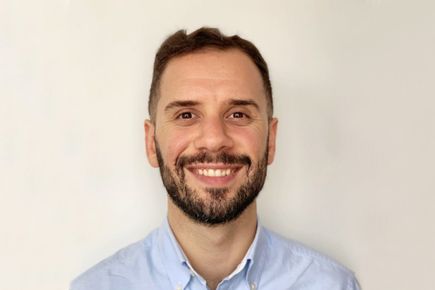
[188, 103]
[180, 104]
[239, 102]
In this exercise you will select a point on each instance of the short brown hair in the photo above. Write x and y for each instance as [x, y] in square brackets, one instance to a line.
[181, 43]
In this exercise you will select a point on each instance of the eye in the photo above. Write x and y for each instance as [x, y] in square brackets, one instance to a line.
[185, 116]
[239, 118]
[238, 115]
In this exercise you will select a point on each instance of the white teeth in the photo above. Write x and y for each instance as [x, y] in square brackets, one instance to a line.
[214, 172]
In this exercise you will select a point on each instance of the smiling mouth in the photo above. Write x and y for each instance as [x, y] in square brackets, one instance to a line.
[213, 169]
[214, 174]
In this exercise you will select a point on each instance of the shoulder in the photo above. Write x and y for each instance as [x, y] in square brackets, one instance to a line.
[122, 269]
[306, 266]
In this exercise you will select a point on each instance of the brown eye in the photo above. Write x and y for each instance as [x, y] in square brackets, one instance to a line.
[238, 118]
[238, 115]
[186, 115]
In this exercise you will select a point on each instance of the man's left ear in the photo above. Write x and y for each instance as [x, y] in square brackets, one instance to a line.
[271, 143]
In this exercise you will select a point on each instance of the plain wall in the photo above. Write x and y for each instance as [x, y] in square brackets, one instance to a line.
[354, 92]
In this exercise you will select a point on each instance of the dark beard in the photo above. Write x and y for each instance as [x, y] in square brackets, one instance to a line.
[216, 210]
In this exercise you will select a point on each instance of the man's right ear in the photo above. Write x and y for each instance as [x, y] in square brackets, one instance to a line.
[150, 143]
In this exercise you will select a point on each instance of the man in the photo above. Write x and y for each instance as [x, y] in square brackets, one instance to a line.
[212, 134]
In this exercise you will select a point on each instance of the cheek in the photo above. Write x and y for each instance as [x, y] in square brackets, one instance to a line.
[252, 141]
[172, 144]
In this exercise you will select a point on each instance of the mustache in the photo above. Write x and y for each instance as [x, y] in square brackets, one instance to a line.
[206, 157]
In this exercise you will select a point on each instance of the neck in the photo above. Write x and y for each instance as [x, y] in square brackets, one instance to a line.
[214, 251]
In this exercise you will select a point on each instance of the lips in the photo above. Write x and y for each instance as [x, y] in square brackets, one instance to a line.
[212, 174]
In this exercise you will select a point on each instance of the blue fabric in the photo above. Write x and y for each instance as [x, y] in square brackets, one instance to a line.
[271, 263]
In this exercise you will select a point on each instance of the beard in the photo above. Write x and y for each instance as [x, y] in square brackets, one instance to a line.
[216, 208]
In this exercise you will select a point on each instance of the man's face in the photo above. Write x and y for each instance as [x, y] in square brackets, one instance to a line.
[212, 139]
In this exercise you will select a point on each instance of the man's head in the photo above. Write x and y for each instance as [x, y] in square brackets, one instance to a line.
[180, 43]
[211, 131]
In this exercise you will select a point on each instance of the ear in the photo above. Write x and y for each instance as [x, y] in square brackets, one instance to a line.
[150, 144]
[271, 143]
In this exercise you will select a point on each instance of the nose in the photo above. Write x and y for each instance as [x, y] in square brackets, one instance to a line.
[213, 136]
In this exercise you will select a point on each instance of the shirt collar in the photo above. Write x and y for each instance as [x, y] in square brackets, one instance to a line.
[180, 271]
[257, 254]
[173, 258]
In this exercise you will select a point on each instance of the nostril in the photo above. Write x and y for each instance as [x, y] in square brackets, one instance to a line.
[213, 137]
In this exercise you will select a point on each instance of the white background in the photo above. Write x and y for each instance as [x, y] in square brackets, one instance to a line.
[354, 91]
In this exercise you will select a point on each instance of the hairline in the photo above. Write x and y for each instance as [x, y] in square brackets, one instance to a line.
[153, 112]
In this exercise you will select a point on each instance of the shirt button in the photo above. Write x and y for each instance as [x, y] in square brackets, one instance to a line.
[179, 287]
[252, 286]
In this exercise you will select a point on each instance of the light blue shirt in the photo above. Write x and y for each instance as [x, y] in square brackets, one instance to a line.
[271, 263]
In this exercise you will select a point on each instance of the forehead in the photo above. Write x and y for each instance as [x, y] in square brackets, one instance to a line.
[212, 73]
